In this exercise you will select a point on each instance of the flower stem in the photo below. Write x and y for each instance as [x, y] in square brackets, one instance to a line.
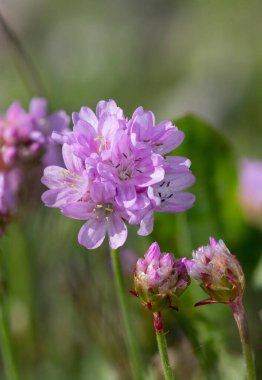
[162, 346]
[8, 359]
[123, 301]
[240, 318]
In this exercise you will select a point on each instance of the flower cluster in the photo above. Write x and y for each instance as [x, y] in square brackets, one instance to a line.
[218, 272]
[160, 279]
[116, 172]
[25, 139]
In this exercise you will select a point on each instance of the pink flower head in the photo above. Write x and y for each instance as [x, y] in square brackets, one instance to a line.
[25, 136]
[115, 156]
[160, 279]
[218, 272]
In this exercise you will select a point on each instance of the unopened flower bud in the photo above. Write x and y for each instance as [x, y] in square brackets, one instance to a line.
[218, 272]
[160, 279]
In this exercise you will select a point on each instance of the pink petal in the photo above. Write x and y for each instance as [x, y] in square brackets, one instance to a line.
[73, 163]
[117, 232]
[126, 195]
[38, 108]
[78, 210]
[92, 233]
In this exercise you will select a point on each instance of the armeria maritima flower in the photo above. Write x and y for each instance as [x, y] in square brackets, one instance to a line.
[25, 142]
[218, 272]
[117, 173]
[160, 279]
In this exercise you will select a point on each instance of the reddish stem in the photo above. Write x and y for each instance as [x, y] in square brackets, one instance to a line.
[158, 323]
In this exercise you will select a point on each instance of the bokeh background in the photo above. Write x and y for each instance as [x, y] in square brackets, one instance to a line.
[202, 58]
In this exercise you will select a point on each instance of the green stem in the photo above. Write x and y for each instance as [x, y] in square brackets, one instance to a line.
[240, 318]
[162, 346]
[123, 301]
[8, 358]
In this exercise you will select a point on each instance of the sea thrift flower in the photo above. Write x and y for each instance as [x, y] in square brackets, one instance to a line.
[221, 276]
[160, 279]
[125, 174]
[25, 141]
[218, 272]
[26, 136]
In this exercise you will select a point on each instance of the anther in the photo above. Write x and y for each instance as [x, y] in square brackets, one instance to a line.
[98, 138]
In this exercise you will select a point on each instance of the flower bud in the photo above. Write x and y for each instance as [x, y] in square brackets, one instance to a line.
[218, 272]
[160, 279]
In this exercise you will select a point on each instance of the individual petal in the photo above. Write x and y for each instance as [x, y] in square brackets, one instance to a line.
[153, 253]
[92, 233]
[138, 211]
[109, 107]
[15, 111]
[167, 260]
[107, 172]
[141, 126]
[169, 141]
[78, 210]
[87, 115]
[176, 164]
[63, 137]
[126, 195]
[53, 176]
[59, 197]
[178, 203]
[73, 163]
[38, 108]
[108, 125]
[59, 121]
[146, 224]
[117, 231]
[102, 191]
[86, 138]
[181, 181]
[147, 173]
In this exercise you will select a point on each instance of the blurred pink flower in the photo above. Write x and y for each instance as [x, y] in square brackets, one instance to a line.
[25, 143]
[250, 189]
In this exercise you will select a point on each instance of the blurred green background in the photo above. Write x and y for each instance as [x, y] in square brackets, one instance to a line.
[175, 58]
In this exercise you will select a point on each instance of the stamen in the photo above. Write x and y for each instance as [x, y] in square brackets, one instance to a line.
[124, 155]
[102, 146]
[139, 171]
[107, 218]
[168, 183]
[170, 196]
[99, 206]
[98, 138]
[162, 184]
[160, 195]
[109, 209]
[69, 184]
[117, 166]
